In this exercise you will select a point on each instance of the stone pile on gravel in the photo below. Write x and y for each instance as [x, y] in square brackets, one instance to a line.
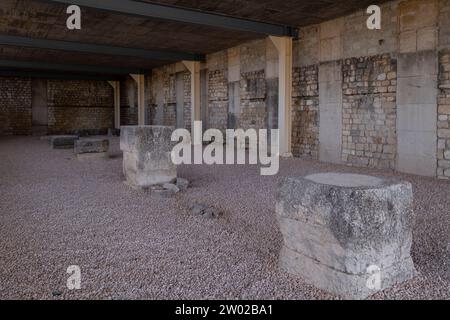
[206, 211]
[56, 212]
[167, 189]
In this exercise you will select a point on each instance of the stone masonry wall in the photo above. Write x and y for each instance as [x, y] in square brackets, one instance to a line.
[443, 152]
[376, 91]
[128, 102]
[218, 99]
[79, 105]
[305, 112]
[170, 98]
[444, 116]
[162, 93]
[187, 100]
[444, 23]
[253, 106]
[369, 112]
[15, 106]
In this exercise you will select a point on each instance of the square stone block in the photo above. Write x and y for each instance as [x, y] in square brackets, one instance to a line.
[91, 146]
[113, 132]
[147, 155]
[347, 234]
[63, 142]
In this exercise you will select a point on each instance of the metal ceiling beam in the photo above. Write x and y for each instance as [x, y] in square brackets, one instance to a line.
[56, 75]
[151, 10]
[37, 65]
[163, 55]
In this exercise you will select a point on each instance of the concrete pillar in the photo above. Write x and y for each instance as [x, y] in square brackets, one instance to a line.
[39, 107]
[116, 88]
[272, 73]
[234, 77]
[331, 40]
[284, 47]
[179, 94]
[204, 97]
[140, 80]
[417, 93]
[330, 112]
[417, 88]
[194, 69]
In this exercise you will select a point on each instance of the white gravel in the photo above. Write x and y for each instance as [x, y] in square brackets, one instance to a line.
[56, 211]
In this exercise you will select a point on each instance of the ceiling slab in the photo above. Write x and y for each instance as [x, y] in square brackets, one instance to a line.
[37, 19]
[298, 13]
[64, 57]
[42, 20]
[185, 15]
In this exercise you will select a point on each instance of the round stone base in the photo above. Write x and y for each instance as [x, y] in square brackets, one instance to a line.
[347, 234]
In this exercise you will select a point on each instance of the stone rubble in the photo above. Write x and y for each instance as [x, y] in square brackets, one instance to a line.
[206, 211]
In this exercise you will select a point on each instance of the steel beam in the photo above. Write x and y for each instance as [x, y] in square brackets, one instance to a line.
[164, 55]
[54, 75]
[36, 65]
[151, 10]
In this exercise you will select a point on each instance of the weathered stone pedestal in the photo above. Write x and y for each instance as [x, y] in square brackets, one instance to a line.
[147, 155]
[347, 234]
[63, 142]
[91, 148]
[113, 132]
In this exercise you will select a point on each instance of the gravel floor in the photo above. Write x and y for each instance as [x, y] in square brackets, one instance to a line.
[56, 211]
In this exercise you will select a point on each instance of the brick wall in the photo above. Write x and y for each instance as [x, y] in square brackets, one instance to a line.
[305, 112]
[444, 116]
[15, 106]
[79, 105]
[369, 112]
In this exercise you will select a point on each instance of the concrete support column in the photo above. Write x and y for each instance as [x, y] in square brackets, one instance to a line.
[140, 80]
[234, 77]
[194, 69]
[417, 94]
[417, 88]
[116, 88]
[330, 111]
[284, 47]
[331, 54]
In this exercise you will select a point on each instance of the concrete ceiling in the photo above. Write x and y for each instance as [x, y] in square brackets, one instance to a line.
[289, 12]
[36, 19]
